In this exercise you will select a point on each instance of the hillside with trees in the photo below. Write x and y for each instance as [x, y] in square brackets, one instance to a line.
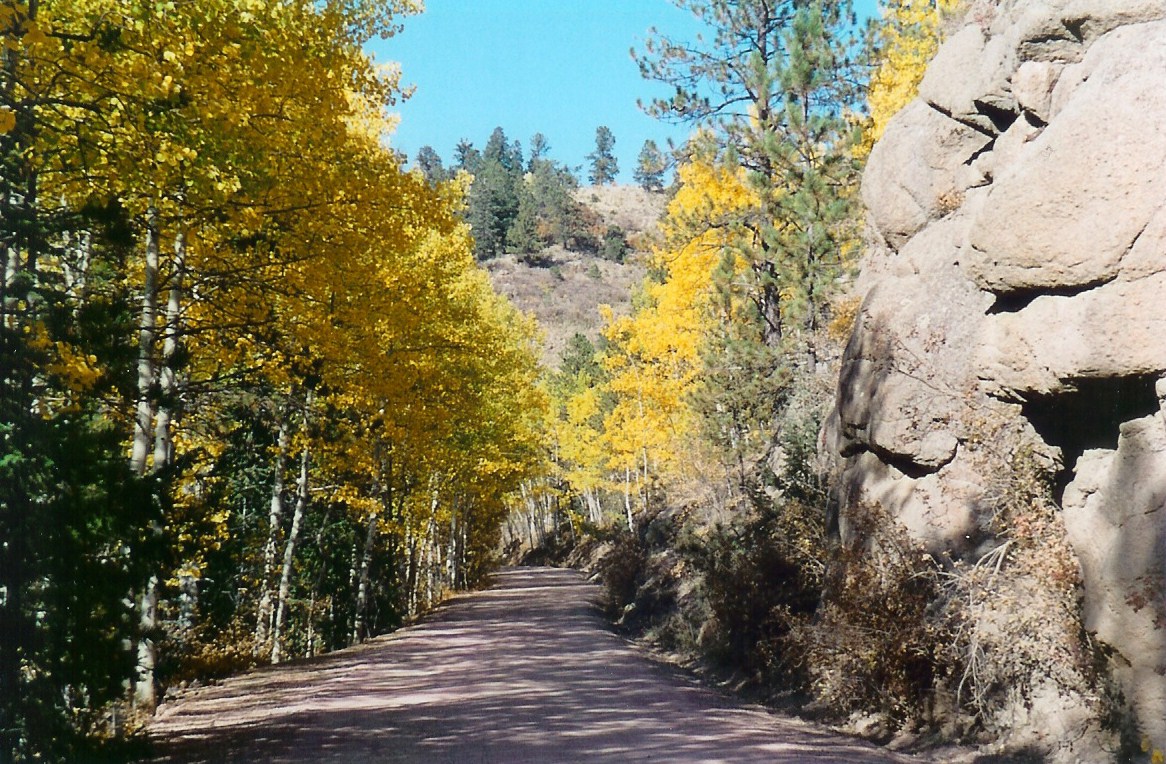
[557, 249]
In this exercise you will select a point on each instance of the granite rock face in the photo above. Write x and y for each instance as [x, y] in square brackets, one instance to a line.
[1014, 292]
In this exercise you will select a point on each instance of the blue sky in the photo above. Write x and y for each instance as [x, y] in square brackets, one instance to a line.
[559, 67]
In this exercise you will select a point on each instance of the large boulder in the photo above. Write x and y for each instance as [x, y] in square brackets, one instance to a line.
[1014, 302]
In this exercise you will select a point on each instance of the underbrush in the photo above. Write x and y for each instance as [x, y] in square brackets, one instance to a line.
[875, 644]
[758, 583]
[722, 595]
[988, 649]
[200, 654]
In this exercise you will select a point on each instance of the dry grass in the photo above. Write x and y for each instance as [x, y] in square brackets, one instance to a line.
[564, 292]
[630, 207]
[565, 295]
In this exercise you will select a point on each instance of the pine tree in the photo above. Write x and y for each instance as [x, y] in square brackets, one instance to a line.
[539, 149]
[428, 162]
[493, 200]
[523, 235]
[773, 88]
[604, 166]
[466, 157]
[650, 167]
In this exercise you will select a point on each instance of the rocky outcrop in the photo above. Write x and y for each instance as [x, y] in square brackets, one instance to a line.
[1015, 301]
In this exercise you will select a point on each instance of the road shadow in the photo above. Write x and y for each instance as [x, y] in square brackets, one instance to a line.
[524, 672]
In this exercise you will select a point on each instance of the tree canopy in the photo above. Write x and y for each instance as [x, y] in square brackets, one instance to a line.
[258, 400]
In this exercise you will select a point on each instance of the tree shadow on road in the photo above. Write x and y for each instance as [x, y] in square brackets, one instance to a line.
[524, 672]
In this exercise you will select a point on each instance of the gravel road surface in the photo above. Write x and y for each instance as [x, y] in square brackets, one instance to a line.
[527, 671]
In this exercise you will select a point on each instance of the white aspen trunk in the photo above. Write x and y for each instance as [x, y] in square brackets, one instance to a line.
[289, 552]
[145, 686]
[353, 576]
[451, 560]
[312, 624]
[168, 400]
[76, 269]
[360, 622]
[274, 515]
[425, 573]
[11, 266]
[432, 552]
[627, 498]
[167, 376]
[411, 578]
[594, 510]
[147, 333]
[462, 553]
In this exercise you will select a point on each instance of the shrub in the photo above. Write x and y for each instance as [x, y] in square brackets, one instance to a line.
[622, 570]
[200, 653]
[615, 244]
[1014, 614]
[756, 588]
[874, 645]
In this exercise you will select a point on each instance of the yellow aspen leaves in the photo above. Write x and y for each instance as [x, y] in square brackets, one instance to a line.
[654, 356]
[907, 38]
[280, 260]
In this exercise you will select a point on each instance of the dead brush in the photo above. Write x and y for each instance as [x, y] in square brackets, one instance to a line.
[874, 644]
[1013, 614]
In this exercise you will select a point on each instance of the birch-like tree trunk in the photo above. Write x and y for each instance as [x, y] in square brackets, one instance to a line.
[289, 551]
[145, 687]
[451, 560]
[168, 392]
[359, 624]
[147, 335]
[627, 498]
[274, 516]
[411, 579]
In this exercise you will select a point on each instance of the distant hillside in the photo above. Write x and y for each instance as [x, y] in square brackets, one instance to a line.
[631, 208]
[565, 290]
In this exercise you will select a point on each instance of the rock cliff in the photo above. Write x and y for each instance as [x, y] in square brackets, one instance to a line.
[1015, 306]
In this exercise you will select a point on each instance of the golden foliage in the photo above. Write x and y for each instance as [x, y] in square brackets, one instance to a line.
[654, 355]
[907, 38]
[281, 251]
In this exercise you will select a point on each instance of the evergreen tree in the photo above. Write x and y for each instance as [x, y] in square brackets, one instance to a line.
[548, 212]
[500, 151]
[539, 148]
[466, 157]
[494, 195]
[604, 167]
[523, 236]
[580, 358]
[429, 163]
[72, 517]
[650, 167]
[773, 87]
[614, 245]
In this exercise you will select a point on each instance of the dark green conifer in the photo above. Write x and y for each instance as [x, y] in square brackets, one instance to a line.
[604, 166]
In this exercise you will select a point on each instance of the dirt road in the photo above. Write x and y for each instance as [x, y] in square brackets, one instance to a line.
[524, 672]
